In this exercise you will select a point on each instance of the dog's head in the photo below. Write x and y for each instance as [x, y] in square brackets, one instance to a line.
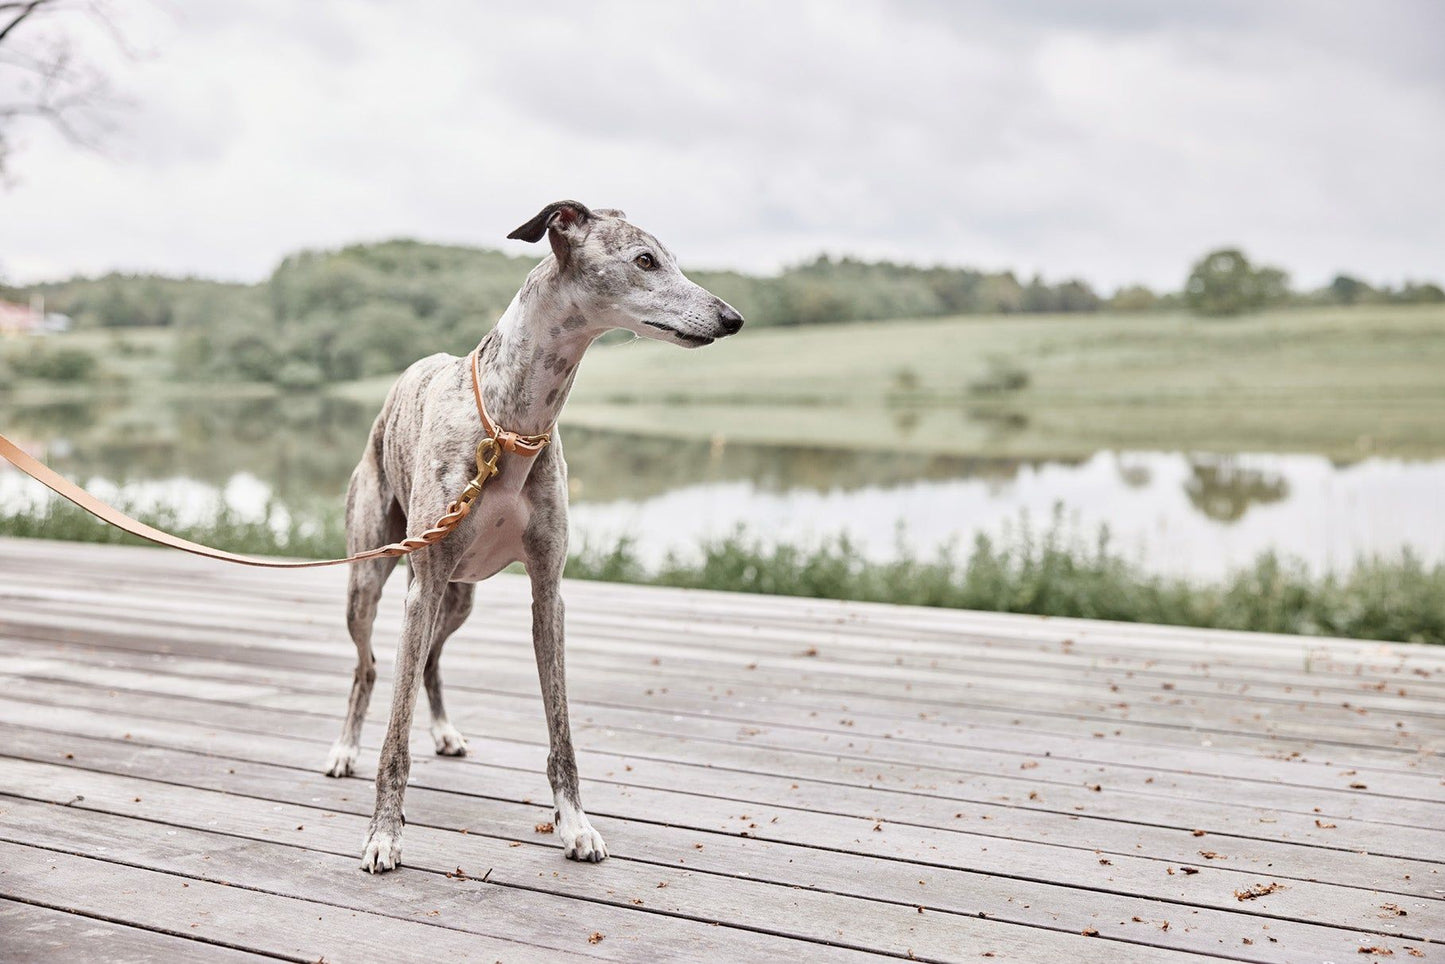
[622, 277]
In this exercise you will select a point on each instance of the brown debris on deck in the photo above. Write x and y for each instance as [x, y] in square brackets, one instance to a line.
[776, 779]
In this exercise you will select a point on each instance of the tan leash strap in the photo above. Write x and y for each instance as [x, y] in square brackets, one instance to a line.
[489, 451]
[62, 486]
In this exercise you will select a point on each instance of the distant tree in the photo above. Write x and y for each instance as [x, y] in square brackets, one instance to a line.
[1037, 296]
[1345, 290]
[1273, 286]
[1422, 294]
[1076, 295]
[1000, 294]
[1134, 298]
[1223, 282]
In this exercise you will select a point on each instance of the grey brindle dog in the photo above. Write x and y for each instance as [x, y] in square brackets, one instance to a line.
[603, 273]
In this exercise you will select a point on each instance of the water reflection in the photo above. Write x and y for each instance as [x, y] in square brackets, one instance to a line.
[1224, 490]
[1153, 503]
[307, 445]
[1176, 512]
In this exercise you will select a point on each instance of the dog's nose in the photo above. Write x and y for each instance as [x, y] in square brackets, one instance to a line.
[730, 320]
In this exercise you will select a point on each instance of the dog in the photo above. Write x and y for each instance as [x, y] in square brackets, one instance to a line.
[604, 273]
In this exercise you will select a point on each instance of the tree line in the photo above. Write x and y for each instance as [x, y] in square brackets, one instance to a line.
[326, 316]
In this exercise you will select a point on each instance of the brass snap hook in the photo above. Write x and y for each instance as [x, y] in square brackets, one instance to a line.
[488, 454]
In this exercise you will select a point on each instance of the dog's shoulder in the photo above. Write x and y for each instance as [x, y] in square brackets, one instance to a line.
[431, 404]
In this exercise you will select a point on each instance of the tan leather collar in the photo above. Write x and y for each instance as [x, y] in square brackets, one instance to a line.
[509, 441]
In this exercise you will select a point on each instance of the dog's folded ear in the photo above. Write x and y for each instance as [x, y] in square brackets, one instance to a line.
[559, 221]
[559, 214]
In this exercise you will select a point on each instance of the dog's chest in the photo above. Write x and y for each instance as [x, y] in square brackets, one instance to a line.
[501, 518]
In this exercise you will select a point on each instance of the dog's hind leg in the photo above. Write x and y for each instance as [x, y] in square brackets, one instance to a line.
[373, 518]
[456, 607]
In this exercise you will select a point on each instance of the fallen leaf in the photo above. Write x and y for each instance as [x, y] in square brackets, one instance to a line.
[1257, 890]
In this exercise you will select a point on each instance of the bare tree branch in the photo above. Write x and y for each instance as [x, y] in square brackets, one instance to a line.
[48, 82]
[27, 10]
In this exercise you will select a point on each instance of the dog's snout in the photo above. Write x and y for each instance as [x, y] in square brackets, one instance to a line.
[728, 317]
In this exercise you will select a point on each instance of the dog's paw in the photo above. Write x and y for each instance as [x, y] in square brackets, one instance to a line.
[383, 851]
[584, 843]
[449, 741]
[342, 761]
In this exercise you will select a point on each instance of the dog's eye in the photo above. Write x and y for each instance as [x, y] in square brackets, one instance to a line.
[645, 262]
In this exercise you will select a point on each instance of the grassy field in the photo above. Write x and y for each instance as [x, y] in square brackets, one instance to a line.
[1345, 382]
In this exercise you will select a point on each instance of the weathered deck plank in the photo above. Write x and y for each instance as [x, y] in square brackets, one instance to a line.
[776, 778]
[35, 933]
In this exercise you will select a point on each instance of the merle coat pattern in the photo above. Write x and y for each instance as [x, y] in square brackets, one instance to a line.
[603, 273]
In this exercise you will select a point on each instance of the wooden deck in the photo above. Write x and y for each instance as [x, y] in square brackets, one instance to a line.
[777, 779]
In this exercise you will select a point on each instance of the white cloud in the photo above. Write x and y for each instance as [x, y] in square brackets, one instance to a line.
[1115, 144]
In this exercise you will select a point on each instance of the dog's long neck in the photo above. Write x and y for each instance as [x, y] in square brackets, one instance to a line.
[530, 358]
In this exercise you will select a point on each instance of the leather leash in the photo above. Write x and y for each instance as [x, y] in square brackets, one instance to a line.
[489, 452]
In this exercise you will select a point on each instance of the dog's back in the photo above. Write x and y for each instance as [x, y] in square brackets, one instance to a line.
[381, 477]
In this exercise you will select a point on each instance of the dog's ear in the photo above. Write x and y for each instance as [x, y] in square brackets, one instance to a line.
[558, 214]
[558, 221]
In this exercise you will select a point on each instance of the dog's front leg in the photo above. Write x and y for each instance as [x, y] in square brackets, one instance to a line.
[423, 604]
[579, 840]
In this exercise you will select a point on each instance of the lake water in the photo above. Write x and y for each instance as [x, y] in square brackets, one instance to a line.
[1175, 512]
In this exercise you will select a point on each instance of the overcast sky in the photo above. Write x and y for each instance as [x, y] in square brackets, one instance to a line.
[1114, 141]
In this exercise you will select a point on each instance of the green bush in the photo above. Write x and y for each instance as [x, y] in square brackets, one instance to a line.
[300, 376]
[1047, 574]
[62, 364]
[275, 535]
[1001, 377]
[1052, 575]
